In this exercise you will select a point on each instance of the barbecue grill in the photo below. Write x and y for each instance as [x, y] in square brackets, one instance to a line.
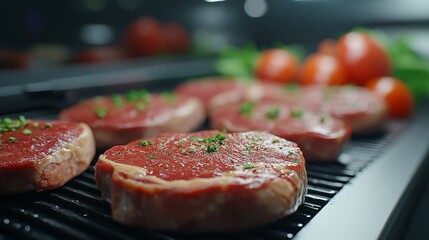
[378, 187]
[365, 194]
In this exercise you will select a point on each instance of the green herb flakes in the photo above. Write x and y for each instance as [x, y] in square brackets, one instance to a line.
[35, 124]
[13, 139]
[272, 113]
[246, 109]
[181, 143]
[296, 161]
[9, 125]
[291, 87]
[141, 106]
[145, 143]
[248, 165]
[169, 97]
[192, 149]
[275, 141]
[135, 95]
[297, 114]
[101, 112]
[48, 125]
[98, 99]
[291, 153]
[117, 100]
[212, 148]
[27, 131]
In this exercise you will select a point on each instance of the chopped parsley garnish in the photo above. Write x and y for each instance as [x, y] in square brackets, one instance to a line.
[135, 95]
[275, 141]
[145, 143]
[272, 113]
[246, 109]
[297, 114]
[48, 125]
[98, 99]
[169, 97]
[291, 153]
[192, 149]
[22, 120]
[184, 152]
[248, 165]
[255, 139]
[117, 100]
[7, 124]
[212, 148]
[194, 166]
[151, 156]
[181, 143]
[141, 106]
[13, 139]
[322, 119]
[296, 161]
[101, 112]
[36, 124]
[27, 131]
[291, 87]
[219, 138]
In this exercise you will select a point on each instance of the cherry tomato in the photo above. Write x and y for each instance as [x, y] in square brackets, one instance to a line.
[277, 65]
[99, 54]
[322, 69]
[396, 94]
[144, 37]
[362, 57]
[14, 59]
[176, 38]
[328, 46]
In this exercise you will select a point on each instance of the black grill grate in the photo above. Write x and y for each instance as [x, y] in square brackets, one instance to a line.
[77, 211]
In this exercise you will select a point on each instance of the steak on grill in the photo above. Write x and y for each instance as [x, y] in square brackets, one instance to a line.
[120, 119]
[214, 92]
[361, 109]
[40, 155]
[203, 182]
[318, 135]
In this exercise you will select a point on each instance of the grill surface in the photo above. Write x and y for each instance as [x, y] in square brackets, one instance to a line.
[77, 211]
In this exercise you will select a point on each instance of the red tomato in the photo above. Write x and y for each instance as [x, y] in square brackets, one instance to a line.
[328, 46]
[99, 54]
[396, 94]
[144, 37]
[277, 65]
[322, 69]
[362, 57]
[176, 38]
[14, 59]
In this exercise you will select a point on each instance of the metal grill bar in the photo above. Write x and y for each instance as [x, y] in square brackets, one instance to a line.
[77, 211]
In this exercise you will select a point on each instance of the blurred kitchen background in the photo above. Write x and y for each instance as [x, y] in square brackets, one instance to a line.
[47, 33]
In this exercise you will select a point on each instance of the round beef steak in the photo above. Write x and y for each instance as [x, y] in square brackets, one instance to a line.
[320, 136]
[214, 92]
[203, 182]
[120, 119]
[39, 155]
